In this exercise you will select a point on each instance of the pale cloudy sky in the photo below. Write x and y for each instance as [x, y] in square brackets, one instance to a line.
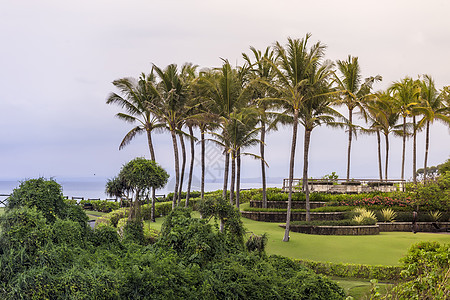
[58, 59]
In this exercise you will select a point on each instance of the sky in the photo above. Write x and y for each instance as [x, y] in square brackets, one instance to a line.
[58, 60]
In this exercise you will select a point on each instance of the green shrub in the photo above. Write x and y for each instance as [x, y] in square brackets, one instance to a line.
[68, 232]
[133, 231]
[385, 273]
[105, 236]
[23, 228]
[426, 265]
[388, 215]
[45, 195]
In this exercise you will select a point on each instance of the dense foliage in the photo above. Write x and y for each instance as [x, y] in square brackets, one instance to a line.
[426, 268]
[59, 258]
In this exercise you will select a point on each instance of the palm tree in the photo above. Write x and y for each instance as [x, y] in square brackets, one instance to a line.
[224, 90]
[384, 117]
[316, 111]
[352, 93]
[261, 78]
[435, 110]
[294, 67]
[241, 130]
[137, 98]
[406, 93]
[171, 91]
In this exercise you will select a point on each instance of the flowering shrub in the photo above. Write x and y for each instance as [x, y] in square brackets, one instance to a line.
[383, 201]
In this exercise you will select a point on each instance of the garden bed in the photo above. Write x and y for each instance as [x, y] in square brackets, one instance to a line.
[283, 204]
[271, 216]
[335, 230]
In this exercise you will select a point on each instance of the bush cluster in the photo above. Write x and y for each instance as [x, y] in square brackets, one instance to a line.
[58, 258]
[426, 268]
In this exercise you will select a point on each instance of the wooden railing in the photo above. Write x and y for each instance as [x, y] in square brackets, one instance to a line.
[342, 186]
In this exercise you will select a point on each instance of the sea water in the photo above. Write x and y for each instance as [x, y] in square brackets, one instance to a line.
[95, 188]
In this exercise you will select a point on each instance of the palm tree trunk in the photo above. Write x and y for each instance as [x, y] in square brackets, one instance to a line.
[202, 183]
[225, 176]
[380, 169]
[238, 177]
[150, 145]
[183, 167]
[404, 148]
[291, 176]
[414, 150]
[152, 157]
[177, 168]
[350, 133]
[427, 143]
[263, 162]
[305, 173]
[387, 157]
[233, 175]
[191, 166]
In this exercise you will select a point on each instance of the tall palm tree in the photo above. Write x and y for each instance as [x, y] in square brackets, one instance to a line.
[294, 67]
[224, 90]
[384, 116]
[172, 92]
[435, 110]
[137, 98]
[261, 78]
[353, 91]
[314, 112]
[241, 130]
[406, 93]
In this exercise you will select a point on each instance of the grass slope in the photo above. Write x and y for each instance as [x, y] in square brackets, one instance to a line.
[383, 249]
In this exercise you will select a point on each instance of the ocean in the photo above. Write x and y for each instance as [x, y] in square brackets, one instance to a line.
[95, 188]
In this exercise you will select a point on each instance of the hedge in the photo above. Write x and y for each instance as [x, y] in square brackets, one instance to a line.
[384, 273]
[161, 209]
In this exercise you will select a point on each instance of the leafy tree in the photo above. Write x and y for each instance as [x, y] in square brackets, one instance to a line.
[444, 167]
[138, 176]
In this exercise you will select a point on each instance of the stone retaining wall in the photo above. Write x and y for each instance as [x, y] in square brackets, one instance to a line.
[407, 226]
[283, 204]
[335, 230]
[270, 216]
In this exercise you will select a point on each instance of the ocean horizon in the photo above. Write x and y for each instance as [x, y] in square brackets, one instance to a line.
[94, 188]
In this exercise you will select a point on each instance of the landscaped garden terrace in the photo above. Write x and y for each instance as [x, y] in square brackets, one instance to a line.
[213, 252]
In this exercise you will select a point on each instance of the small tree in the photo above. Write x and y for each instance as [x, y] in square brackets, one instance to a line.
[138, 176]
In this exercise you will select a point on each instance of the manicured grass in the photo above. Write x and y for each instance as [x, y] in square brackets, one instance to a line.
[360, 289]
[94, 215]
[383, 249]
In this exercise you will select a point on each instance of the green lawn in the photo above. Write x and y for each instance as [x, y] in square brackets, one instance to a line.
[383, 249]
[93, 215]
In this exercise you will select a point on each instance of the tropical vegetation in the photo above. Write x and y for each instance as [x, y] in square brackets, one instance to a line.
[292, 83]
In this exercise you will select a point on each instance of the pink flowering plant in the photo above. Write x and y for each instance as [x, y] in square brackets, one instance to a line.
[398, 203]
